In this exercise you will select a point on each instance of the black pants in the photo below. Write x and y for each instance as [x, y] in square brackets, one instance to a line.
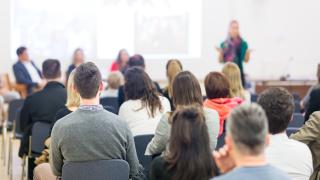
[31, 166]
[243, 79]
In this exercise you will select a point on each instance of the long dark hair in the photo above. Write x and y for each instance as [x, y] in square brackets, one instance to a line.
[189, 154]
[138, 85]
[186, 90]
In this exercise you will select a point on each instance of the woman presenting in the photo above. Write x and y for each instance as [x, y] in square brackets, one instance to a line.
[234, 49]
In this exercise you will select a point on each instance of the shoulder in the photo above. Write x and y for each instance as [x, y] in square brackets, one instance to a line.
[208, 112]
[17, 64]
[165, 102]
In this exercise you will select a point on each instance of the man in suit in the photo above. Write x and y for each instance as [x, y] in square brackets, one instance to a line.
[43, 105]
[26, 72]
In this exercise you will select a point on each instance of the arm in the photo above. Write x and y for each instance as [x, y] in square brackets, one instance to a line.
[213, 124]
[247, 56]
[220, 53]
[25, 117]
[56, 159]
[21, 78]
[309, 132]
[161, 137]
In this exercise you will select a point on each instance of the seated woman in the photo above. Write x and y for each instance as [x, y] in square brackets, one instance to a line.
[232, 72]
[120, 64]
[186, 91]
[189, 152]
[43, 170]
[218, 96]
[114, 80]
[77, 59]
[173, 67]
[144, 106]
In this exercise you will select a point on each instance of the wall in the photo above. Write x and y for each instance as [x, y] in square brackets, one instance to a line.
[5, 62]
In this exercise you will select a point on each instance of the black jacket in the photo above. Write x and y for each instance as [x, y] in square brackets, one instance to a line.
[314, 102]
[41, 106]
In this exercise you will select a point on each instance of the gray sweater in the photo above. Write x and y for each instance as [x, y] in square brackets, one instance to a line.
[86, 135]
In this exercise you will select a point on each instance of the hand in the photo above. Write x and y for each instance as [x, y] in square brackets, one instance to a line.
[218, 49]
[223, 159]
[41, 84]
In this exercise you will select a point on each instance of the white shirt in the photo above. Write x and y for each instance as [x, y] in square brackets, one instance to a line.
[138, 119]
[32, 72]
[109, 93]
[290, 156]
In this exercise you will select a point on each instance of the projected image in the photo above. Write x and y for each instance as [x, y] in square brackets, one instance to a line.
[161, 35]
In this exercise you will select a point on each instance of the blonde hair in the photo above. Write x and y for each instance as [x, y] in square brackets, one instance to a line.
[173, 67]
[232, 72]
[73, 99]
[115, 80]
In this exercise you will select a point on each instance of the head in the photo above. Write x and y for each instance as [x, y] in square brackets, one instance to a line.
[73, 98]
[186, 90]
[234, 29]
[123, 57]
[232, 72]
[88, 81]
[51, 70]
[115, 80]
[278, 104]
[136, 60]
[138, 85]
[189, 148]
[217, 86]
[247, 131]
[78, 56]
[173, 67]
[22, 53]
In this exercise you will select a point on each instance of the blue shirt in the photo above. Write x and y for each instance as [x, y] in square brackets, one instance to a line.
[266, 172]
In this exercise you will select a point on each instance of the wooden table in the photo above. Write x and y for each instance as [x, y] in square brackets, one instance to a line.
[300, 87]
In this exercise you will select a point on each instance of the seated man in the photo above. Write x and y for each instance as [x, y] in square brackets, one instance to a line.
[290, 156]
[243, 157]
[43, 105]
[309, 134]
[91, 133]
[26, 72]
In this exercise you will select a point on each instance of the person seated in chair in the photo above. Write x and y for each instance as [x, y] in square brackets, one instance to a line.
[92, 133]
[43, 105]
[26, 72]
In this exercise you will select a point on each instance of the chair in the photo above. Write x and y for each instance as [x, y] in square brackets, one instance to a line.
[291, 131]
[96, 170]
[297, 121]
[40, 132]
[220, 142]
[12, 111]
[141, 143]
[254, 98]
[110, 101]
[297, 107]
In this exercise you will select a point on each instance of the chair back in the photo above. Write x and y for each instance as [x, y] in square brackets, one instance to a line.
[96, 170]
[141, 143]
[291, 131]
[297, 121]
[18, 133]
[254, 98]
[14, 105]
[110, 101]
[40, 132]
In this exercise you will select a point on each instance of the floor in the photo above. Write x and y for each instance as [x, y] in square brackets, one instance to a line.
[16, 165]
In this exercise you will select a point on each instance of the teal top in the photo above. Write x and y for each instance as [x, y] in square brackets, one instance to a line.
[240, 55]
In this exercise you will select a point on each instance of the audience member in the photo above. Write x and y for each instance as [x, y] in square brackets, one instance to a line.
[314, 102]
[135, 61]
[173, 67]
[144, 106]
[43, 105]
[243, 155]
[189, 149]
[121, 63]
[290, 156]
[77, 59]
[232, 72]
[6, 93]
[186, 91]
[218, 96]
[114, 80]
[103, 135]
[306, 100]
[26, 72]
[309, 134]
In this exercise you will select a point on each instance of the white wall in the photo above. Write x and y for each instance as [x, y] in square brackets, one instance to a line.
[282, 33]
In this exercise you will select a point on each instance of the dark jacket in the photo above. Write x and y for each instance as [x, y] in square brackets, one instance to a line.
[23, 77]
[41, 106]
[314, 102]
